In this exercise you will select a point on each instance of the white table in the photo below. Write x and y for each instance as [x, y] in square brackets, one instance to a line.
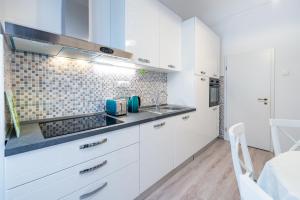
[280, 177]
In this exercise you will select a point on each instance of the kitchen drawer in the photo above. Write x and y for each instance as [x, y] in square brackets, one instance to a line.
[122, 185]
[29, 166]
[65, 182]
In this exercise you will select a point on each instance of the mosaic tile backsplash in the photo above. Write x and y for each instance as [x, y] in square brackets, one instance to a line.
[48, 87]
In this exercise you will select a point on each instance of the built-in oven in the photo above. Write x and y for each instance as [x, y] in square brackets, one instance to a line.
[214, 92]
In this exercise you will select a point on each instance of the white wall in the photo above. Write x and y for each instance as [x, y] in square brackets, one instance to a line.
[275, 25]
[44, 14]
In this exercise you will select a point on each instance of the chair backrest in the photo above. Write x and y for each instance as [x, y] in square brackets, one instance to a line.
[276, 128]
[237, 139]
[249, 190]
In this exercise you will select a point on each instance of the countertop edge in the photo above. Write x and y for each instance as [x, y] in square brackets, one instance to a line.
[90, 133]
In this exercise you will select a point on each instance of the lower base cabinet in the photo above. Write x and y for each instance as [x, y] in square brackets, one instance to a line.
[156, 151]
[73, 179]
[187, 138]
[122, 185]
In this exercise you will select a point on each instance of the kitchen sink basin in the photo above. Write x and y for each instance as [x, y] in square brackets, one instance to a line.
[162, 109]
[170, 108]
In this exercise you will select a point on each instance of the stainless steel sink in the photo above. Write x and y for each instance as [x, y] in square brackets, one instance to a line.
[162, 109]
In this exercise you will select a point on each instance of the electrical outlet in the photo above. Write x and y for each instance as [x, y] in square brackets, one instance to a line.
[123, 84]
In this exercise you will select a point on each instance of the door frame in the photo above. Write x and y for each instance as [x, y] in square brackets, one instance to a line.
[272, 88]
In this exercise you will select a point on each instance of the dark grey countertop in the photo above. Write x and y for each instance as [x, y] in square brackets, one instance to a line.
[31, 137]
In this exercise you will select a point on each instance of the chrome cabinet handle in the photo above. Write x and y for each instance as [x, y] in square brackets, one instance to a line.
[85, 146]
[143, 60]
[203, 72]
[87, 195]
[186, 117]
[203, 79]
[93, 168]
[171, 66]
[159, 125]
[262, 99]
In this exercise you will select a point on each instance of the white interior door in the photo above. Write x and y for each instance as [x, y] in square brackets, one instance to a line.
[249, 94]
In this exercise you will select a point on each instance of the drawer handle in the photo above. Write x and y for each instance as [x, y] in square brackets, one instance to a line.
[87, 195]
[171, 66]
[143, 60]
[203, 79]
[159, 125]
[85, 146]
[93, 168]
[186, 117]
[203, 72]
[214, 109]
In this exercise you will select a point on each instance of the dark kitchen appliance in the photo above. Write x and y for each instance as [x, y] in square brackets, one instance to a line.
[73, 125]
[214, 92]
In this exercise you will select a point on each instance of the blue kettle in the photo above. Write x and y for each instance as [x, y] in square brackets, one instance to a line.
[134, 104]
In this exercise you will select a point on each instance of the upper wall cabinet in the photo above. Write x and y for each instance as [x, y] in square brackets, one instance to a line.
[40, 14]
[149, 30]
[208, 50]
[204, 45]
[142, 31]
[170, 39]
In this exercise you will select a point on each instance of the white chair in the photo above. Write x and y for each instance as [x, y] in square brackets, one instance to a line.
[249, 190]
[237, 139]
[276, 128]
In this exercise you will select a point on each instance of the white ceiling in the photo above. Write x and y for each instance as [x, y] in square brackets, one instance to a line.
[212, 12]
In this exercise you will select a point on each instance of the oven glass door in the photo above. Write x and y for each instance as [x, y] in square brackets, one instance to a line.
[214, 90]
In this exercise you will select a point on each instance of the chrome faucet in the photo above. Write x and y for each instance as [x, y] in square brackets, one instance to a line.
[157, 99]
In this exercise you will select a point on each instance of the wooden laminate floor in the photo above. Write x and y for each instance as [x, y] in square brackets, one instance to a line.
[209, 177]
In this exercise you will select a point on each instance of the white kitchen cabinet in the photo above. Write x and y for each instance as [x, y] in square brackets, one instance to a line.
[214, 119]
[142, 31]
[156, 151]
[149, 30]
[35, 164]
[205, 121]
[70, 180]
[186, 142]
[121, 185]
[40, 14]
[169, 39]
[203, 46]
[207, 50]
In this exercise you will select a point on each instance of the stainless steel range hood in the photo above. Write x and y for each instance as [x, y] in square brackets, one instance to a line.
[23, 38]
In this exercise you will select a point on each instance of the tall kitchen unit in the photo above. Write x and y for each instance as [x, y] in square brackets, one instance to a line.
[200, 62]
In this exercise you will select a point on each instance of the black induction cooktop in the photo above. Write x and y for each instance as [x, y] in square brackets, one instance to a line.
[72, 125]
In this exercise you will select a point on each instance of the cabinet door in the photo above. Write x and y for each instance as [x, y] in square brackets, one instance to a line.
[213, 122]
[214, 62]
[156, 151]
[142, 31]
[185, 138]
[202, 105]
[170, 39]
[40, 14]
[207, 51]
[120, 185]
